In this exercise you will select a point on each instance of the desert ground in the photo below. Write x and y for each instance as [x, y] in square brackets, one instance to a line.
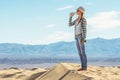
[62, 71]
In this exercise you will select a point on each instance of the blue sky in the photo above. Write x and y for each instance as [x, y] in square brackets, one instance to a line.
[46, 21]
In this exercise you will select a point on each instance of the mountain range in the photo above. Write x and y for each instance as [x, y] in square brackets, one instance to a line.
[97, 47]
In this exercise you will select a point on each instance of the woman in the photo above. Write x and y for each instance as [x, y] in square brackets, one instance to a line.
[80, 35]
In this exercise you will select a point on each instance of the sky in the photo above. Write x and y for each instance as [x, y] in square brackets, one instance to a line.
[46, 21]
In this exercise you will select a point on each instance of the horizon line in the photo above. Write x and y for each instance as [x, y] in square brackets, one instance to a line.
[52, 42]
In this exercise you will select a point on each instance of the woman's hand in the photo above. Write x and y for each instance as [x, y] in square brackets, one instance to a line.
[72, 14]
[83, 41]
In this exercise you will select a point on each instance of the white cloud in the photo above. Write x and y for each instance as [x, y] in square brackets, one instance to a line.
[58, 36]
[65, 8]
[51, 25]
[61, 35]
[89, 4]
[103, 24]
[105, 20]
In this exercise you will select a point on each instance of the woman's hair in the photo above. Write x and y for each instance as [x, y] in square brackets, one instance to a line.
[81, 17]
[81, 9]
[81, 13]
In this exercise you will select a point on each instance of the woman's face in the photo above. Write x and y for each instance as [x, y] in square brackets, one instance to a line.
[79, 13]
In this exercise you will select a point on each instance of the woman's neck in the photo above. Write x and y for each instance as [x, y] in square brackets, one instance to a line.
[79, 18]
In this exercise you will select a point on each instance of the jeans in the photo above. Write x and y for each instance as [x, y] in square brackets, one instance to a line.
[81, 51]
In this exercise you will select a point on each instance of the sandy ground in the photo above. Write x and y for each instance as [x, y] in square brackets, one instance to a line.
[62, 71]
[20, 74]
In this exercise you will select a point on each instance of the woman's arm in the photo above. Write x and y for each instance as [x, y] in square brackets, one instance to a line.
[84, 23]
[70, 19]
[70, 22]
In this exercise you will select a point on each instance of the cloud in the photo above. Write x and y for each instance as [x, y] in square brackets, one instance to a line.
[61, 35]
[65, 8]
[51, 25]
[58, 36]
[103, 24]
[105, 20]
[89, 3]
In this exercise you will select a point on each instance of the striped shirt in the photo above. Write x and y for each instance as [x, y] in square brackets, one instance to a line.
[82, 24]
[78, 28]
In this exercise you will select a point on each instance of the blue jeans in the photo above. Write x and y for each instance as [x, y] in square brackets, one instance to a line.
[81, 51]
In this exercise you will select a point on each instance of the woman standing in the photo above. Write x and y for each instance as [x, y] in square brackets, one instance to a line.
[80, 35]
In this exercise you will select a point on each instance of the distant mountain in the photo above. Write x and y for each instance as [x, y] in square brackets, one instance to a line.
[98, 47]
